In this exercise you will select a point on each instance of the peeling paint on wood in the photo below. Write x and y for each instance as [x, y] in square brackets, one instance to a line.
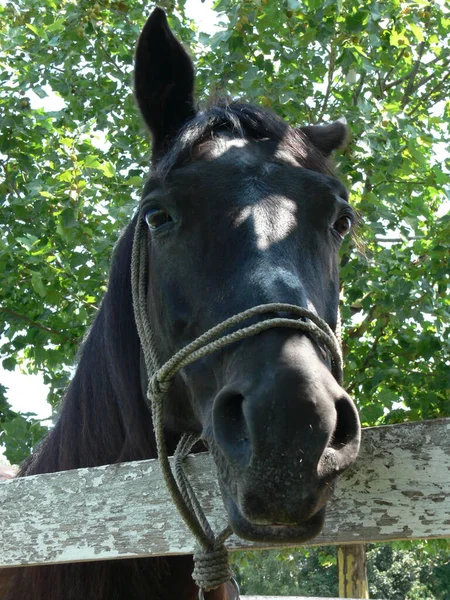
[399, 488]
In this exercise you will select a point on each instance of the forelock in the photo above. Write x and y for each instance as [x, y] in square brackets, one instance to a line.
[240, 121]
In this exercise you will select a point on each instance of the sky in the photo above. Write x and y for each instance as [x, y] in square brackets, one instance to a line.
[27, 393]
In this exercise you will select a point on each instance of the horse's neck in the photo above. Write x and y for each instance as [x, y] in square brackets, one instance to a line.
[137, 579]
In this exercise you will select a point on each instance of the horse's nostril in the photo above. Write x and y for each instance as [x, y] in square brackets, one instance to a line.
[230, 427]
[347, 424]
[343, 447]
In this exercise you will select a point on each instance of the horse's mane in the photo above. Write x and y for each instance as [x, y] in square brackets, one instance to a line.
[104, 417]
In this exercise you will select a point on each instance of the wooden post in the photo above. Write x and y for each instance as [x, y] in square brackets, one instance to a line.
[352, 569]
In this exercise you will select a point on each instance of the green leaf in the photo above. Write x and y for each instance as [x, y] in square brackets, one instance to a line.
[38, 284]
[417, 31]
[58, 25]
[218, 38]
[40, 92]
[387, 397]
[398, 39]
[40, 33]
[108, 169]
[134, 181]
[27, 241]
[92, 162]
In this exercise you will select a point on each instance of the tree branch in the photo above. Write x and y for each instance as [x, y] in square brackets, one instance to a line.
[359, 330]
[33, 323]
[108, 58]
[396, 82]
[399, 240]
[427, 78]
[370, 353]
[424, 98]
[403, 181]
[331, 65]
[397, 60]
[358, 90]
[412, 75]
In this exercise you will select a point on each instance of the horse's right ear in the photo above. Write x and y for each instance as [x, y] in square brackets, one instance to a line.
[163, 81]
[327, 137]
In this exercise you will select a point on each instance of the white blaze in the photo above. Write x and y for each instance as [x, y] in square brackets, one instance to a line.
[271, 222]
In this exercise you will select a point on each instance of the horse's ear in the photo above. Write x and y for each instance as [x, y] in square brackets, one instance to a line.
[327, 137]
[163, 81]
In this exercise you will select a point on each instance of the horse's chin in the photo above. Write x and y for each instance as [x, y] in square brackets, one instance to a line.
[292, 533]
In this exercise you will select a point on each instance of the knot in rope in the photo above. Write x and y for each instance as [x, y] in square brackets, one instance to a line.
[212, 567]
[157, 388]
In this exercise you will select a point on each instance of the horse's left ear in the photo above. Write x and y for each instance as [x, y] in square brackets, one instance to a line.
[163, 81]
[327, 137]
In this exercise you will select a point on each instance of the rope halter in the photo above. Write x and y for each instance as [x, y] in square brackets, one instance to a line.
[211, 558]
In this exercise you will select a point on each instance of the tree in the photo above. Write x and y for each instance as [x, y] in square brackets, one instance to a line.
[400, 571]
[71, 176]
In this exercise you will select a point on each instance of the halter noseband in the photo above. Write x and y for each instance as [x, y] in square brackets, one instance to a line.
[211, 558]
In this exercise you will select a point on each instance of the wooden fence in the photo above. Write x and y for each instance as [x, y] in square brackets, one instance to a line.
[398, 489]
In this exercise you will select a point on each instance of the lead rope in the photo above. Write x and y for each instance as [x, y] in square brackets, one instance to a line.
[211, 564]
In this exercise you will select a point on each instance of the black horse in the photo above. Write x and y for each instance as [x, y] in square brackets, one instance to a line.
[241, 210]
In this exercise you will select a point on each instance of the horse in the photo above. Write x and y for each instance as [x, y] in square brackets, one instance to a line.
[240, 210]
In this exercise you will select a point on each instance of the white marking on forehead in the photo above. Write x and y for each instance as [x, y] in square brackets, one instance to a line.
[223, 144]
[271, 222]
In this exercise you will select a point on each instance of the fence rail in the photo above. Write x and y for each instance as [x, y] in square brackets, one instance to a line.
[398, 489]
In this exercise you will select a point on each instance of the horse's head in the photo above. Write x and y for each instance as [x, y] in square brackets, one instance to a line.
[243, 210]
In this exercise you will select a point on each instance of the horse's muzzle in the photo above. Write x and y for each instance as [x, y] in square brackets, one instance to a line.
[283, 430]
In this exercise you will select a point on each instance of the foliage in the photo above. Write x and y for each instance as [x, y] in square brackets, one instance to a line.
[22, 431]
[294, 572]
[414, 572]
[407, 571]
[71, 174]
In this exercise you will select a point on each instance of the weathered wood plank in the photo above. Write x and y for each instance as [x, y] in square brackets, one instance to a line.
[398, 489]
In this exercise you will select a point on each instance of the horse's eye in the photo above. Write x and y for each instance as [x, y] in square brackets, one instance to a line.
[343, 225]
[156, 217]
